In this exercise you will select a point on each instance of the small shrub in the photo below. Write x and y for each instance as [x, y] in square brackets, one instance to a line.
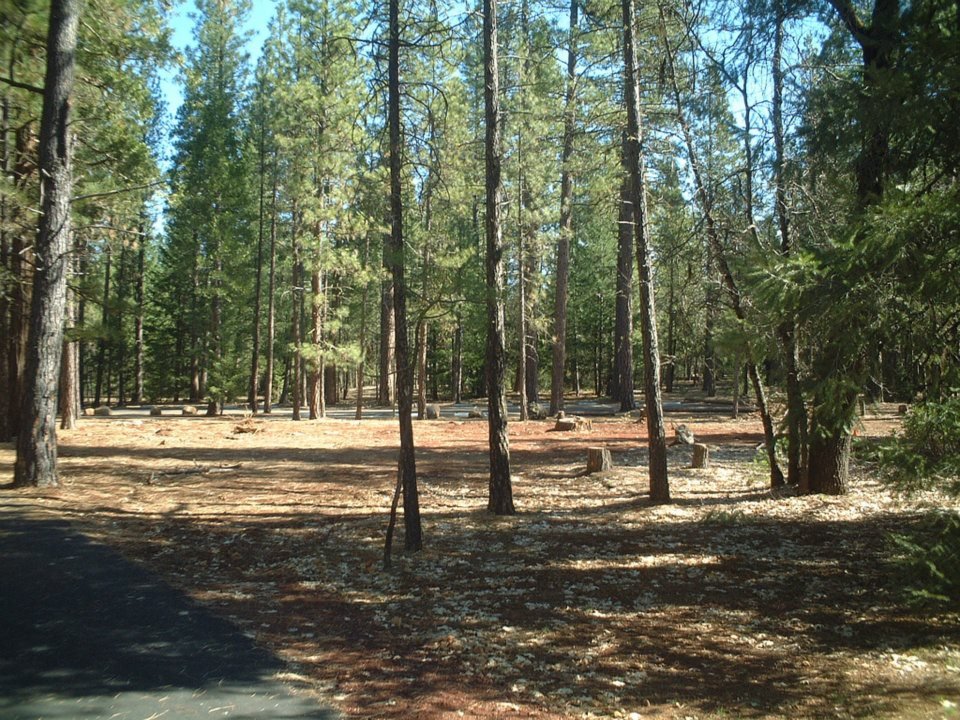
[926, 456]
[929, 560]
[927, 453]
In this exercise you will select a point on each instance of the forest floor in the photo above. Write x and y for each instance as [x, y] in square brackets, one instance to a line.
[730, 602]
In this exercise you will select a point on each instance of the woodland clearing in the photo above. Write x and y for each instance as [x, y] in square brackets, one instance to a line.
[731, 601]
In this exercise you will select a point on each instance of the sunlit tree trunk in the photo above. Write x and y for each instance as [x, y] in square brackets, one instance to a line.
[36, 463]
[656, 433]
[566, 219]
[413, 533]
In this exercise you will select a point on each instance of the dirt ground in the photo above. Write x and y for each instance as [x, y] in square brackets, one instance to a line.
[729, 602]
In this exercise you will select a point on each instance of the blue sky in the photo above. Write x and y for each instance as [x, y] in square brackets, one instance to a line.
[181, 23]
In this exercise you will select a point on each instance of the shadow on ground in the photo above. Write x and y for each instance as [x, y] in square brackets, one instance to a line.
[86, 634]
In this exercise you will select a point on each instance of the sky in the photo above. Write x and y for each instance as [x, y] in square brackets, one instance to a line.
[181, 23]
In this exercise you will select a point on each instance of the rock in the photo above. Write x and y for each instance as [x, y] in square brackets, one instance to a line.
[188, 410]
[701, 456]
[156, 412]
[598, 459]
[433, 412]
[103, 411]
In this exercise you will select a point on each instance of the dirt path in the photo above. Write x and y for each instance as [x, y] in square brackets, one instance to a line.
[730, 602]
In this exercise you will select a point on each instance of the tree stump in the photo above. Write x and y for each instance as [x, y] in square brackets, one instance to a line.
[701, 456]
[684, 436]
[433, 412]
[598, 460]
[572, 423]
[103, 411]
[189, 410]
[156, 412]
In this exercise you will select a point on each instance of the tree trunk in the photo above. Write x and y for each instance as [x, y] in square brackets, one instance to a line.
[295, 321]
[363, 329]
[829, 465]
[252, 395]
[623, 325]
[69, 377]
[500, 500]
[271, 305]
[712, 303]
[566, 219]
[104, 322]
[656, 433]
[413, 533]
[316, 380]
[6, 336]
[421, 346]
[456, 371]
[522, 287]
[787, 330]
[36, 463]
[138, 346]
[387, 380]
[718, 258]
[119, 338]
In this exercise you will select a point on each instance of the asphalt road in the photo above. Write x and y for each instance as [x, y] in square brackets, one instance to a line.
[85, 635]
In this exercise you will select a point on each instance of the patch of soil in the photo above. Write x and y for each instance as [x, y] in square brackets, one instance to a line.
[732, 601]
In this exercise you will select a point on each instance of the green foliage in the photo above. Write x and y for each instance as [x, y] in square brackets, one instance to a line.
[927, 453]
[928, 560]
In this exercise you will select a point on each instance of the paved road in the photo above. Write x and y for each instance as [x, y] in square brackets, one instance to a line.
[460, 411]
[87, 635]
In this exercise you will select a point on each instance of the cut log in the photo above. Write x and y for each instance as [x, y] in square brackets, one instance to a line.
[433, 412]
[88, 412]
[701, 456]
[189, 410]
[598, 459]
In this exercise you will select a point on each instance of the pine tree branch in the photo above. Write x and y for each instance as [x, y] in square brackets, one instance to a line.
[21, 85]
[107, 193]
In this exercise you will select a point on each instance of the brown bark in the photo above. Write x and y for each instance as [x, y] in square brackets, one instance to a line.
[316, 380]
[252, 395]
[623, 324]
[787, 330]
[296, 296]
[566, 219]
[102, 349]
[656, 433]
[500, 500]
[413, 533]
[36, 463]
[271, 307]
[138, 346]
